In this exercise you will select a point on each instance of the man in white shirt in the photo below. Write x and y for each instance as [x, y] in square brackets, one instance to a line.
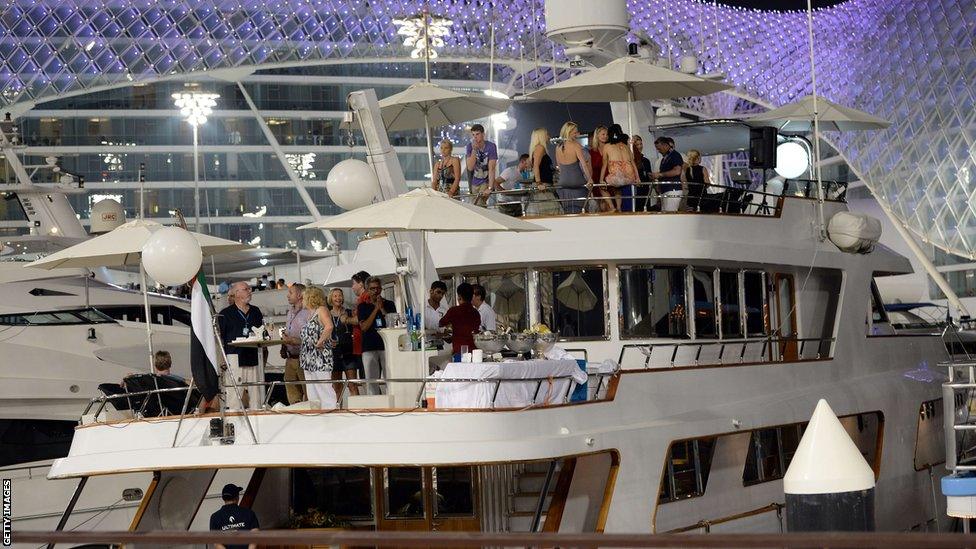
[511, 178]
[435, 306]
[488, 320]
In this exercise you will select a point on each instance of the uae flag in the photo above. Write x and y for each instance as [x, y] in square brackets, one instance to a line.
[203, 340]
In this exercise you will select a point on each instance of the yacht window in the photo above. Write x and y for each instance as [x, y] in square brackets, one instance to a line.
[766, 459]
[573, 302]
[506, 295]
[48, 293]
[652, 302]
[729, 300]
[704, 292]
[686, 470]
[55, 318]
[346, 492]
[404, 491]
[454, 490]
[757, 313]
[771, 450]
[27, 440]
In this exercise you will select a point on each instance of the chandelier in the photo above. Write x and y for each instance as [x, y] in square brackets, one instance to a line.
[423, 33]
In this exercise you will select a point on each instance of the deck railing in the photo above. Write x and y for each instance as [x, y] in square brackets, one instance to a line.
[97, 405]
[723, 352]
[543, 201]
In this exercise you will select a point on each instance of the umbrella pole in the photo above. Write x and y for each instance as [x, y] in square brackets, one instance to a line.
[630, 110]
[423, 300]
[430, 145]
[145, 304]
[816, 129]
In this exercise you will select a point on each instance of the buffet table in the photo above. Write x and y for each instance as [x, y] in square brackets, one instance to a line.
[511, 394]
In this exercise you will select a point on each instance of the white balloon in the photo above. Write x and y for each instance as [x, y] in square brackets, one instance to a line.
[791, 160]
[352, 184]
[172, 256]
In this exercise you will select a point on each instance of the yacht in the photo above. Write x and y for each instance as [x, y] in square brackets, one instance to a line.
[707, 339]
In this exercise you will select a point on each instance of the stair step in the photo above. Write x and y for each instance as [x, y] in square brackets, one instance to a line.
[532, 482]
[527, 502]
[522, 522]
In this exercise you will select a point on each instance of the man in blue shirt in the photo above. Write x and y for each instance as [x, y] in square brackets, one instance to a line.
[671, 165]
[232, 516]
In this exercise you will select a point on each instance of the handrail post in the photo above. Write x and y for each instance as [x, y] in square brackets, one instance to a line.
[537, 517]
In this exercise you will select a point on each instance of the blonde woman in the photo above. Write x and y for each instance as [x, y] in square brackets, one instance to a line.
[316, 353]
[694, 179]
[575, 179]
[447, 171]
[342, 358]
[543, 201]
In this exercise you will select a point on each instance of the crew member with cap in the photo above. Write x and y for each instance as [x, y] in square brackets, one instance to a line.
[233, 517]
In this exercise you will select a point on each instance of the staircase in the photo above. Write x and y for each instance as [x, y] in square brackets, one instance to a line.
[528, 490]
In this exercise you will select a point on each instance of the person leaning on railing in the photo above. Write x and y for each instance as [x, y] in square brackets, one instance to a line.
[575, 179]
[512, 179]
[447, 171]
[697, 179]
[543, 202]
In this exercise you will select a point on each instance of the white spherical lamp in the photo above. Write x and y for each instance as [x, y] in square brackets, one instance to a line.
[791, 160]
[352, 184]
[172, 256]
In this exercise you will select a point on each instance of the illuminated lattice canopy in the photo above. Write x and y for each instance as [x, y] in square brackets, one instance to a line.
[909, 61]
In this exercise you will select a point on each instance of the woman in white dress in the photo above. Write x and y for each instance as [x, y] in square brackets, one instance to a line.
[316, 350]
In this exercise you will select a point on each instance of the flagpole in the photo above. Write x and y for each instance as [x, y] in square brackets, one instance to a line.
[816, 129]
[222, 356]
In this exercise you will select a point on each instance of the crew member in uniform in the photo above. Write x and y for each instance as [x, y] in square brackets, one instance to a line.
[233, 517]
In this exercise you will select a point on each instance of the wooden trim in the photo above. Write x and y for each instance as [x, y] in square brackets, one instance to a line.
[601, 521]
[554, 515]
[141, 510]
[253, 485]
[879, 446]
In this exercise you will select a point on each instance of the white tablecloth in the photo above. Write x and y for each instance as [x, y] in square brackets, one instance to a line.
[510, 394]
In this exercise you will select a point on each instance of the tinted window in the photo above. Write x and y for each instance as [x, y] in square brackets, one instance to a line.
[505, 294]
[26, 440]
[573, 302]
[686, 470]
[729, 298]
[454, 491]
[345, 492]
[754, 286]
[404, 492]
[653, 302]
[704, 281]
[55, 318]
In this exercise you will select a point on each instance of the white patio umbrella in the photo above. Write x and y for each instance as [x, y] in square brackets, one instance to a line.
[122, 246]
[628, 79]
[798, 117]
[424, 210]
[424, 105]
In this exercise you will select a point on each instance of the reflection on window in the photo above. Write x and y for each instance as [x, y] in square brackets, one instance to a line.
[506, 295]
[878, 313]
[704, 292]
[345, 492]
[572, 301]
[404, 492]
[728, 284]
[686, 470]
[653, 302]
[454, 492]
[754, 285]
[27, 440]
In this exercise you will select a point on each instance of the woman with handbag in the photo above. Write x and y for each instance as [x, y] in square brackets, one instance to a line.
[342, 358]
